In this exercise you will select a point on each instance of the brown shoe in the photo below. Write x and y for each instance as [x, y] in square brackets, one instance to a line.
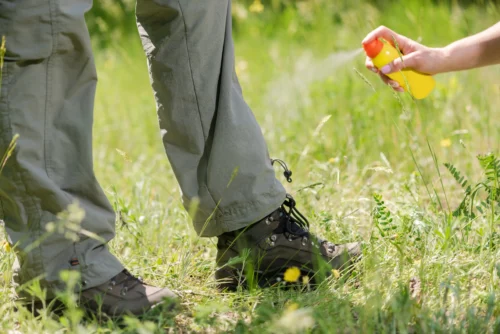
[124, 294]
[261, 253]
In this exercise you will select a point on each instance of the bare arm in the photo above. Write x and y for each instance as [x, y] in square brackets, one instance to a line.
[478, 50]
[474, 51]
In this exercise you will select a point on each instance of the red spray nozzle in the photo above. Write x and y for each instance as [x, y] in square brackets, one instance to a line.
[373, 48]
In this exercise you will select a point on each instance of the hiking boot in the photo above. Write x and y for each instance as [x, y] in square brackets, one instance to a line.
[124, 294]
[279, 248]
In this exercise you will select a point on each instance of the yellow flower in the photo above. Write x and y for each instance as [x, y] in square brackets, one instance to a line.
[292, 274]
[446, 142]
[6, 246]
[305, 280]
[335, 273]
[256, 7]
[334, 160]
[290, 307]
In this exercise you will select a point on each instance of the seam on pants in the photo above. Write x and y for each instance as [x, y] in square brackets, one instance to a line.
[48, 90]
[21, 178]
[48, 86]
[205, 134]
[2, 214]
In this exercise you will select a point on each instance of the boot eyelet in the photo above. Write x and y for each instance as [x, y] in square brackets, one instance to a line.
[271, 240]
[111, 285]
[124, 291]
[304, 241]
[290, 239]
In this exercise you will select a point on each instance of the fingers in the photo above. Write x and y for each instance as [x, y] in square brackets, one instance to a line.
[381, 31]
[405, 44]
[395, 66]
[394, 84]
[406, 61]
[388, 81]
[369, 65]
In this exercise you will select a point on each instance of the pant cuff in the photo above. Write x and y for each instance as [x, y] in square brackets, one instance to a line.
[238, 217]
[101, 271]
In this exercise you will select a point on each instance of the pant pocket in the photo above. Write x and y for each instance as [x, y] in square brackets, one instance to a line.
[26, 25]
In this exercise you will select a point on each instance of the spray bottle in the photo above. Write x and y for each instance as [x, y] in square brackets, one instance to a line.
[381, 52]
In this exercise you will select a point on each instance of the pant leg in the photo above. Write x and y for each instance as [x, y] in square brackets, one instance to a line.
[213, 142]
[47, 96]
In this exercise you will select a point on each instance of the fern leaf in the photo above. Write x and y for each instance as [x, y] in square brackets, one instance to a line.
[461, 180]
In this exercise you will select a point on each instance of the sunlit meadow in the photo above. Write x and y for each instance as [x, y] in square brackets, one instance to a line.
[368, 165]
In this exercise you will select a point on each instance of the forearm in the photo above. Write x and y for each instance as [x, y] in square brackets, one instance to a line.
[475, 51]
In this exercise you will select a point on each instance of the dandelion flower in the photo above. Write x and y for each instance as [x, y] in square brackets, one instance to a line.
[6, 246]
[292, 274]
[256, 7]
[290, 307]
[446, 142]
[335, 273]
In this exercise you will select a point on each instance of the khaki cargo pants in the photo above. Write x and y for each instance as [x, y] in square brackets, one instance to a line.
[47, 94]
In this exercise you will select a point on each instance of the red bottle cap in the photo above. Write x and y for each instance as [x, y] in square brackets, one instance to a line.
[373, 48]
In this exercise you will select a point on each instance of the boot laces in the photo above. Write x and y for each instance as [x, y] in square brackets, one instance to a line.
[127, 283]
[296, 224]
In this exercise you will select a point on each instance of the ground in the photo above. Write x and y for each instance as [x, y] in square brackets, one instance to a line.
[346, 137]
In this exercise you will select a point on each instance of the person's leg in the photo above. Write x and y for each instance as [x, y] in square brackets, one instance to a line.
[47, 98]
[214, 144]
[217, 149]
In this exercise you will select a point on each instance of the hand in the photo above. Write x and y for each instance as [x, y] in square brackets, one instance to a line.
[416, 56]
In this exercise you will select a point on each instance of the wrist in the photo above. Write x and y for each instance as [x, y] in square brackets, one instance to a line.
[445, 61]
[460, 56]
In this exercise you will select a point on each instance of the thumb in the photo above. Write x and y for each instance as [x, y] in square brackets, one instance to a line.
[406, 61]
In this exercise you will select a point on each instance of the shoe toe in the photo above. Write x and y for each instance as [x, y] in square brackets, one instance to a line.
[162, 294]
[354, 249]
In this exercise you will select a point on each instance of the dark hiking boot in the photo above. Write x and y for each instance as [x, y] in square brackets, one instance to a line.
[124, 294]
[279, 248]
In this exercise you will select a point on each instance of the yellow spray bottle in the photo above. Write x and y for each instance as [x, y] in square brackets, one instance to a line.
[381, 52]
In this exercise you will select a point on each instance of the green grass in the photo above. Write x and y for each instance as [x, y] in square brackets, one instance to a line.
[345, 140]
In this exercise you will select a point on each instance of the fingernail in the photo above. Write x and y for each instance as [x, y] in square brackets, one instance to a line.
[393, 84]
[386, 69]
[374, 70]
